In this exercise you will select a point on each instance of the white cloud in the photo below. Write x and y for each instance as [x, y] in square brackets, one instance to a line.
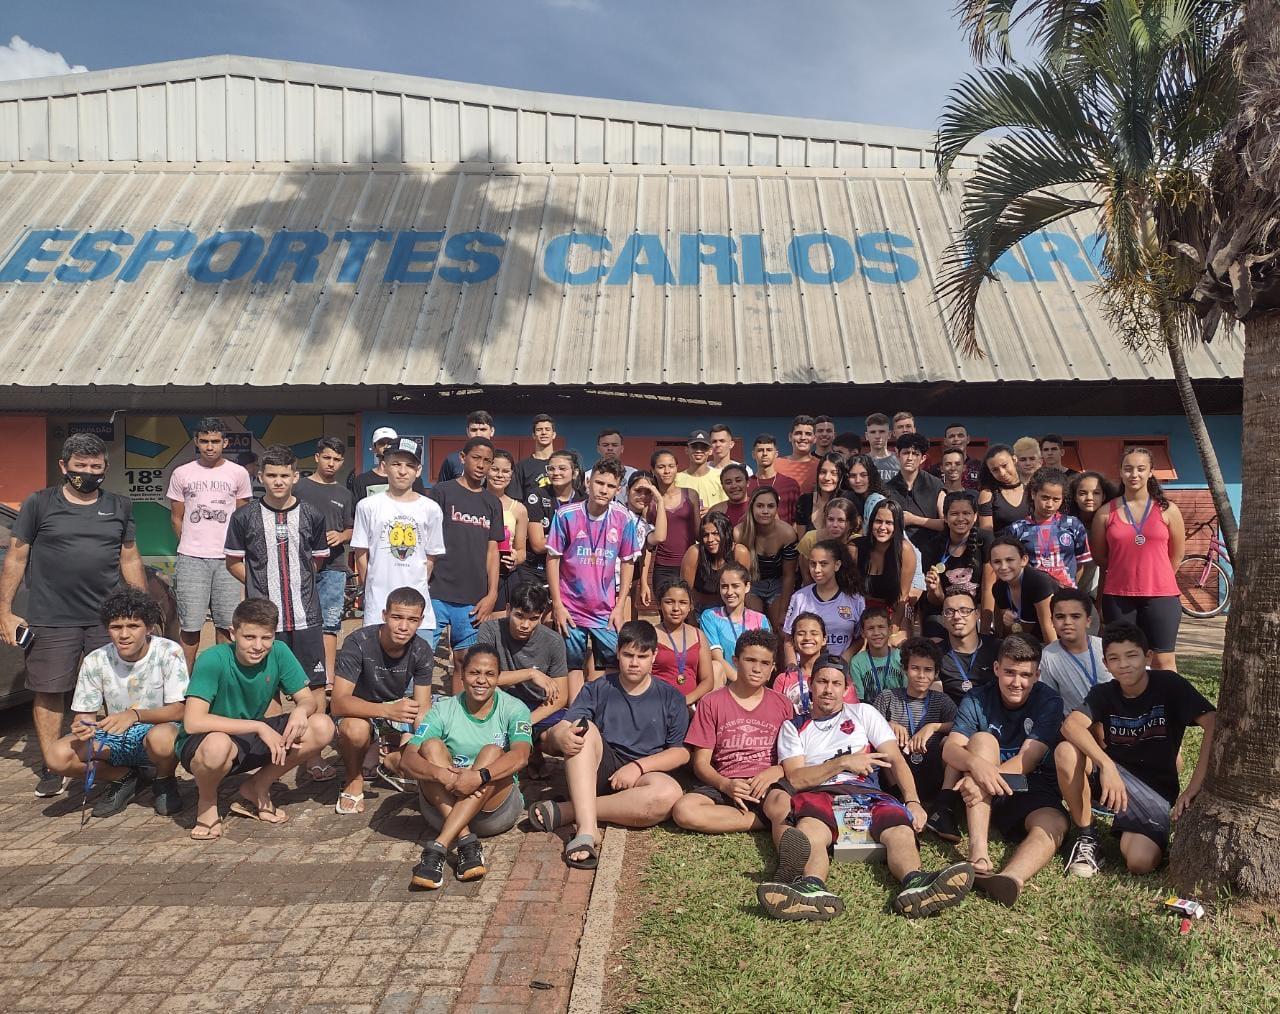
[21, 59]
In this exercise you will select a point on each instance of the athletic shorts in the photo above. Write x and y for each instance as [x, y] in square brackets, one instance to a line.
[886, 812]
[1009, 813]
[603, 642]
[202, 587]
[1157, 616]
[483, 825]
[720, 799]
[251, 751]
[331, 588]
[125, 749]
[457, 617]
[53, 657]
[610, 762]
[307, 646]
[1148, 813]
[550, 722]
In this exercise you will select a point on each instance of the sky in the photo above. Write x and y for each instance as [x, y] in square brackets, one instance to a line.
[871, 61]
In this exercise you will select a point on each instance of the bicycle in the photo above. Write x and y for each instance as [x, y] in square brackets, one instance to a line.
[1204, 579]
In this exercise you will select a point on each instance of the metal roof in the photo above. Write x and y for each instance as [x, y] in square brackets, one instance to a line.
[245, 109]
[466, 274]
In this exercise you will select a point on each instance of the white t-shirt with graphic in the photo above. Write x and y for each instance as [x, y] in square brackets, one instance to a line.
[399, 536]
[108, 681]
[855, 728]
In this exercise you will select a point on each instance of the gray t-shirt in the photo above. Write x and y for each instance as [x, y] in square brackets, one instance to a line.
[335, 502]
[1073, 675]
[887, 466]
[378, 677]
[74, 560]
[543, 651]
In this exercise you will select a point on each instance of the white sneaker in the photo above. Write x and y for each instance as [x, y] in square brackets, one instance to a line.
[1086, 855]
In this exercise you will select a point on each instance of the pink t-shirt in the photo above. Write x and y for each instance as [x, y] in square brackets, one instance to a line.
[589, 548]
[209, 497]
[742, 743]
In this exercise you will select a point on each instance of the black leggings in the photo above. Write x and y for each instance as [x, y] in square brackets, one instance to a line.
[1158, 616]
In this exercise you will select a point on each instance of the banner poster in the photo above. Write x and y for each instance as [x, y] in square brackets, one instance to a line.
[156, 445]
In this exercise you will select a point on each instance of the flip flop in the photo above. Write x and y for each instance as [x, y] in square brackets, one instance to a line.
[322, 772]
[998, 887]
[979, 864]
[204, 831]
[545, 815]
[357, 804]
[582, 843]
[247, 808]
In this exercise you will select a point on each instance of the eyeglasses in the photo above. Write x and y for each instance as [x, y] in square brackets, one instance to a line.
[959, 611]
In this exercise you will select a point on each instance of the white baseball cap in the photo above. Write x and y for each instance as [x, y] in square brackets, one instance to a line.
[383, 433]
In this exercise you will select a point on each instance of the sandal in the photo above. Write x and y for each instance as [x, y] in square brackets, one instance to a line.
[582, 843]
[545, 815]
[322, 772]
[357, 804]
[203, 831]
[267, 814]
[982, 866]
[998, 887]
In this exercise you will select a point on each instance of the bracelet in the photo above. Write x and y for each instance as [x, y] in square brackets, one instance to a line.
[138, 714]
[641, 767]
[908, 802]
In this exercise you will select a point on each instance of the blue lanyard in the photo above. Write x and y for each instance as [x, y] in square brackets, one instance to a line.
[591, 535]
[877, 684]
[806, 699]
[964, 670]
[1138, 537]
[1092, 677]
[683, 653]
[733, 627]
[913, 726]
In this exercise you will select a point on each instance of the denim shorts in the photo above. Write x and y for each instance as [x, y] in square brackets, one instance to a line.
[331, 587]
[126, 748]
[457, 617]
[602, 641]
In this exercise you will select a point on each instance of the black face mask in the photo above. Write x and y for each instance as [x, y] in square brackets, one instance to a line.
[85, 482]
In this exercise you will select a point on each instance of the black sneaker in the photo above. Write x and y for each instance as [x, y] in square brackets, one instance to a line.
[925, 894]
[470, 859]
[1086, 854]
[117, 795]
[429, 873]
[942, 818]
[166, 798]
[793, 853]
[805, 898]
[50, 784]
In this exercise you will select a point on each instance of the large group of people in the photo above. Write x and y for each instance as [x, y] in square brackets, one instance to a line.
[730, 646]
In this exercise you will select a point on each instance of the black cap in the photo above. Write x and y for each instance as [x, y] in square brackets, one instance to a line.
[832, 662]
[699, 437]
[404, 445]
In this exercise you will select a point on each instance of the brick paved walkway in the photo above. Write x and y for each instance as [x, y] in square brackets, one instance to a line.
[128, 914]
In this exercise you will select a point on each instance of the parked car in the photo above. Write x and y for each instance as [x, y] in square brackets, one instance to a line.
[12, 669]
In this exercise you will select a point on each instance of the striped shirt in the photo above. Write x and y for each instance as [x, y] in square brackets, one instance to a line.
[280, 550]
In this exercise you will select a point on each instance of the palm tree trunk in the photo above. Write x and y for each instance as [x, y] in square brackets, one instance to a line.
[1204, 447]
[1230, 838]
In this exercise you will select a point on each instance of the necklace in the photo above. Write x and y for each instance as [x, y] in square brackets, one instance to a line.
[1138, 539]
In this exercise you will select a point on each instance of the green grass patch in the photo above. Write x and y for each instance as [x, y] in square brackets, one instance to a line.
[701, 943]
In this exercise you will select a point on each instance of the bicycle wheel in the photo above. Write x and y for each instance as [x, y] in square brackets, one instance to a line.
[1204, 585]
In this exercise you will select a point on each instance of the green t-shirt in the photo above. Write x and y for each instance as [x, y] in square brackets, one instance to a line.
[887, 676]
[237, 691]
[464, 735]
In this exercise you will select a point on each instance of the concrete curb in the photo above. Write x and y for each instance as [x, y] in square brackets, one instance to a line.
[587, 996]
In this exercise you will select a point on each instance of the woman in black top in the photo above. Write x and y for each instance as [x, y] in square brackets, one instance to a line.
[700, 569]
[1003, 498]
[887, 563]
[863, 483]
[957, 559]
[1021, 592]
[829, 483]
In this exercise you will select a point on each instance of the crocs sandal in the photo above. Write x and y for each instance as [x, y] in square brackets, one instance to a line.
[356, 804]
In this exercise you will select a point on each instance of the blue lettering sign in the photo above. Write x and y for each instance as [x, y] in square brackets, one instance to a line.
[799, 253]
[248, 249]
[94, 248]
[157, 245]
[301, 249]
[754, 271]
[408, 251]
[629, 263]
[458, 248]
[359, 244]
[701, 248]
[881, 248]
[555, 261]
[32, 248]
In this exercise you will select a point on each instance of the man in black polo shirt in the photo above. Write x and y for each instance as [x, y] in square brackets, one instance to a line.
[72, 543]
[914, 488]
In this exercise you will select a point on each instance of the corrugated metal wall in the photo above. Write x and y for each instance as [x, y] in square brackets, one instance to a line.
[235, 109]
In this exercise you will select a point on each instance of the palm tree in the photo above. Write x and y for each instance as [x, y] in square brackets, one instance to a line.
[1230, 838]
[1119, 119]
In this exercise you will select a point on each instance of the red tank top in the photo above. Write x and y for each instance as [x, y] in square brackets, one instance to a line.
[666, 664]
[1141, 570]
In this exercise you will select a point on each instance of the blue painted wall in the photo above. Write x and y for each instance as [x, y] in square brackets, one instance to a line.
[579, 433]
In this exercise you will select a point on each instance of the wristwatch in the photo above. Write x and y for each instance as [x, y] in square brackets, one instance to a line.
[484, 775]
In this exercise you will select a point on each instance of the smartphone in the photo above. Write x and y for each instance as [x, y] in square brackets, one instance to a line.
[1016, 782]
[23, 636]
[581, 726]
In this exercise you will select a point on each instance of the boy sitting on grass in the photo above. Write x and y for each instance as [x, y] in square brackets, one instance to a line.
[619, 738]
[140, 682]
[837, 750]
[920, 716]
[1121, 746]
[877, 667]
[734, 737]
[224, 731]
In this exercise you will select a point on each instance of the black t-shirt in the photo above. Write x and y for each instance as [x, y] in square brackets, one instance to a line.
[337, 506]
[1143, 734]
[543, 651]
[541, 503]
[962, 671]
[962, 571]
[74, 559]
[1036, 587]
[471, 522]
[379, 677]
[526, 476]
[370, 482]
[450, 468]
[921, 499]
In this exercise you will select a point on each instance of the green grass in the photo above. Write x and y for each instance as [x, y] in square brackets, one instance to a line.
[700, 942]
